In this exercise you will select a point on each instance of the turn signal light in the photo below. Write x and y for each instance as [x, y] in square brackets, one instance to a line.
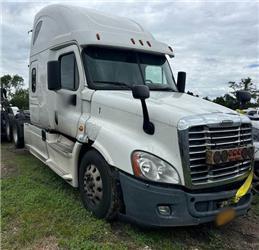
[135, 164]
[217, 157]
[229, 155]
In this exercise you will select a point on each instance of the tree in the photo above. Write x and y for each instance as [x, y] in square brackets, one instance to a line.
[16, 93]
[227, 101]
[11, 83]
[207, 98]
[191, 93]
[245, 84]
[20, 99]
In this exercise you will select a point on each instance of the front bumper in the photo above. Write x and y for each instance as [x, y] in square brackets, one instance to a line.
[142, 200]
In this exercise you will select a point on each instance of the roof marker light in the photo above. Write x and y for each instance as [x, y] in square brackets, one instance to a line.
[140, 41]
[132, 40]
[170, 48]
[98, 36]
[148, 43]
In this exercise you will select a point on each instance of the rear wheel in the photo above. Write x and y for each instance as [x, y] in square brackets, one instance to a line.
[18, 134]
[8, 130]
[98, 186]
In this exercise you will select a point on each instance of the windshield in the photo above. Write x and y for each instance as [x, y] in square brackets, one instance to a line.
[121, 69]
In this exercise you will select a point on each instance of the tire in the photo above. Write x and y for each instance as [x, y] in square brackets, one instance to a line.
[8, 130]
[97, 186]
[18, 137]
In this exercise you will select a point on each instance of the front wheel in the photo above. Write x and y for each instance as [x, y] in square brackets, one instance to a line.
[98, 186]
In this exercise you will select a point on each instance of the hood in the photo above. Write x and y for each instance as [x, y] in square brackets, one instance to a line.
[165, 107]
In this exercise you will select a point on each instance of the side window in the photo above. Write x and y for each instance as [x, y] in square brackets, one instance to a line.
[37, 31]
[155, 74]
[33, 80]
[69, 72]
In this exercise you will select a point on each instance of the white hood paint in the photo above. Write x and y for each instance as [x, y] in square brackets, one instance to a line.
[165, 107]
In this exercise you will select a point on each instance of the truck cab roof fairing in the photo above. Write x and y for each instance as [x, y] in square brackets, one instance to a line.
[63, 23]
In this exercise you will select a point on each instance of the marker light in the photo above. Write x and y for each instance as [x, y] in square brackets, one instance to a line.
[140, 41]
[132, 40]
[98, 36]
[148, 43]
[217, 157]
[224, 156]
[250, 152]
[150, 167]
[244, 153]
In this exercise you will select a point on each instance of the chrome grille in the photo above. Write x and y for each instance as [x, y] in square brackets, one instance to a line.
[202, 138]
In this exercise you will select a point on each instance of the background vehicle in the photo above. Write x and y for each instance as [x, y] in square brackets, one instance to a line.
[7, 116]
[107, 116]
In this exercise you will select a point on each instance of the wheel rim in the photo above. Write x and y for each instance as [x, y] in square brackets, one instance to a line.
[15, 135]
[93, 185]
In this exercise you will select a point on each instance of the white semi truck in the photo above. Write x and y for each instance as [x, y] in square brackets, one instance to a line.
[107, 115]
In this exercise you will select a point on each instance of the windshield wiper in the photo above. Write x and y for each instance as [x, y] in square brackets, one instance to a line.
[161, 88]
[115, 83]
[123, 84]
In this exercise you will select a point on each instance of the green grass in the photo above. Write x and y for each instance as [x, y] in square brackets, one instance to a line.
[39, 211]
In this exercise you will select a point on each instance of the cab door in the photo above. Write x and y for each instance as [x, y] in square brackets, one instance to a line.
[68, 102]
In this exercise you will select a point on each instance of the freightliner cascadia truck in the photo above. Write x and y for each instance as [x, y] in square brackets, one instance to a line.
[109, 117]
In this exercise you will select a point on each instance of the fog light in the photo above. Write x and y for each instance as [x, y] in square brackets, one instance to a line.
[164, 210]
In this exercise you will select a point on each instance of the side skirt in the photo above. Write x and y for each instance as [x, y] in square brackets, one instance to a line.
[55, 150]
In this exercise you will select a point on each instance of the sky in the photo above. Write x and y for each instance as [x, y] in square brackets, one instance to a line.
[214, 41]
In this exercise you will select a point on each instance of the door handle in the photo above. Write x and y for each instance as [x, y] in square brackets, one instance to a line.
[56, 117]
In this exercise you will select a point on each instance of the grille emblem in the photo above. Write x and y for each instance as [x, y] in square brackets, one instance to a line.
[226, 123]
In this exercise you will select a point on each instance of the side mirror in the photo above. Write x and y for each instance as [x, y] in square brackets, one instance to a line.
[181, 79]
[243, 96]
[53, 70]
[142, 92]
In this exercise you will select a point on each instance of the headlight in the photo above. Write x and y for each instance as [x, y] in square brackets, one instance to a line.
[255, 132]
[148, 166]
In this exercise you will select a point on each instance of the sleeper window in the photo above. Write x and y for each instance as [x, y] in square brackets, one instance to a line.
[33, 80]
[37, 31]
[69, 72]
